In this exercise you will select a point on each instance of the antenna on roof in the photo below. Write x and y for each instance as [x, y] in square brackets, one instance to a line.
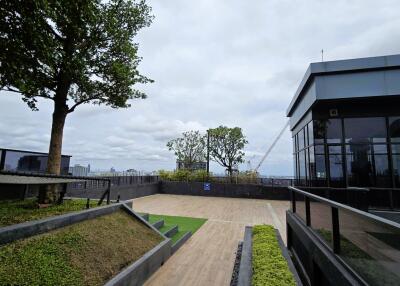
[322, 55]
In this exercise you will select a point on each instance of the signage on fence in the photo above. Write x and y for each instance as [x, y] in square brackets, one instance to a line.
[207, 186]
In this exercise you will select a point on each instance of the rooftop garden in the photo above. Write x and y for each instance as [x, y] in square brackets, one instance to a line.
[18, 211]
[85, 253]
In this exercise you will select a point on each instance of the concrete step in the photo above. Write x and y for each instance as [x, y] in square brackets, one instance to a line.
[145, 216]
[171, 232]
[180, 242]
[159, 224]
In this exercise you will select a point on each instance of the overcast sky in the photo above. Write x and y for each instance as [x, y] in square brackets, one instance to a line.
[235, 63]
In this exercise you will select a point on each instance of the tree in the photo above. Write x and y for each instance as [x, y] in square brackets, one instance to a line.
[71, 52]
[189, 149]
[226, 146]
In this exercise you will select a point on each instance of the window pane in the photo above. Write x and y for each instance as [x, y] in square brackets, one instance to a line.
[336, 170]
[364, 130]
[380, 149]
[319, 149]
[359, 165]
[335, 149]
[320, 166]
[396, 148]
[310, 133]
[301, 139]
[394, 129]
[302, 167]
[319, 131]
[383, 178]
[334, 131]
[311, 165]
[396, 169]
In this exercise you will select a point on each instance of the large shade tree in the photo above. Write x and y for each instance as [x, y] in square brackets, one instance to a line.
[226, 146]
[72, 53]
[189, 149]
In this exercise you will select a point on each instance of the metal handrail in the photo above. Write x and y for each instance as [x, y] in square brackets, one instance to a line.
[345, 207]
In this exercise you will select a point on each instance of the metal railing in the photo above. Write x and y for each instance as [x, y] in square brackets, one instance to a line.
[116, 181]
[272, 182]
[105, 182]
[366, 244]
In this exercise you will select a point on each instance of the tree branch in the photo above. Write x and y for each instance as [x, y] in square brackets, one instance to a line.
[72, 108]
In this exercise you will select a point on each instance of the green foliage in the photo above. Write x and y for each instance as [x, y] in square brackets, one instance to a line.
[17, 211]
[226, 146]
[184, 175]
[184, 224]
[269, 265]
[247, 177]
[189, 149]
[72, 51]
[85, 253]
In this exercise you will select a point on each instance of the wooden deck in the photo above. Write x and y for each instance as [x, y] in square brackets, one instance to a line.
[208, 257]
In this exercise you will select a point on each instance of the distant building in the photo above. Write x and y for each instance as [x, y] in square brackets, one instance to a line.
[180, 165]
[28, 161]
[79, 171]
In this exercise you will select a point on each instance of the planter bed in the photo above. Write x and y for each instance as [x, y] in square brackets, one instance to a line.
[265, 260]
[18, 211]
[90, 247]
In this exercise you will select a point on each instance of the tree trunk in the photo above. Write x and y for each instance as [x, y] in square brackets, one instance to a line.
[49, 194]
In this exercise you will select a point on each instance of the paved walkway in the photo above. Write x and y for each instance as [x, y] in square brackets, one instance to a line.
[207, 258]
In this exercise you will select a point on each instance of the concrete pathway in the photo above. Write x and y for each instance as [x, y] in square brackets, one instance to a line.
[207, 258]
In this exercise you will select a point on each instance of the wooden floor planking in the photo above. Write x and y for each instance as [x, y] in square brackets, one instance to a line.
[207, 258]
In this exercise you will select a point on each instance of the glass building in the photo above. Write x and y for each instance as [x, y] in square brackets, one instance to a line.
[28, 161]
[345, 124]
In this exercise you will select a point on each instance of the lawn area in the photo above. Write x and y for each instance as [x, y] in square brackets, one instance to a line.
[86, 253]
[17, 211]
[269, 265]
[185, 224]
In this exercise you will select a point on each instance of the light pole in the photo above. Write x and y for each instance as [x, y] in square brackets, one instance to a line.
[208, 154]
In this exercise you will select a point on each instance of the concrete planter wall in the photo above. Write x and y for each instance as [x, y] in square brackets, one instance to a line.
[225, 190]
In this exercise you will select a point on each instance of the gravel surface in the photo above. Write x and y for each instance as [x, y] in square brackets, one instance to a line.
[235, 273]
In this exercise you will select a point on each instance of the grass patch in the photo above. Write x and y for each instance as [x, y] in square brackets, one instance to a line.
[269, 265]
[17, 211]
[86, 253]
[185, 224]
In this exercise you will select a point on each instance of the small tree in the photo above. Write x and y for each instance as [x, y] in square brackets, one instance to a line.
[71, 52]
[226, 146]
[189, 149]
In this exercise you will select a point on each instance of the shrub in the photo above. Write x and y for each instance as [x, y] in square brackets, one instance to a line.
[269, 265]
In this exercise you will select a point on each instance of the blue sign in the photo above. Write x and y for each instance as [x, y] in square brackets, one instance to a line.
[207, 186]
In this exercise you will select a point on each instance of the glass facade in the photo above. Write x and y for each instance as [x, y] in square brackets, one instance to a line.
[348, 152]
[29, 162]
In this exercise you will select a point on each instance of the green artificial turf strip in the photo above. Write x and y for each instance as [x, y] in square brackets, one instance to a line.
[83, 254]
[17, 211]
[269, 265]
[185, 224]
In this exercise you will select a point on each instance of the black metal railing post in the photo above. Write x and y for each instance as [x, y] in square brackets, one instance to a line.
[335, 230]
[293, 196]
[308, 215]
[108, 192]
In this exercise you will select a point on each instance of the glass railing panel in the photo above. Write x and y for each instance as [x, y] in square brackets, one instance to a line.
[321, 220]
[370, 247]
[300, 206]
